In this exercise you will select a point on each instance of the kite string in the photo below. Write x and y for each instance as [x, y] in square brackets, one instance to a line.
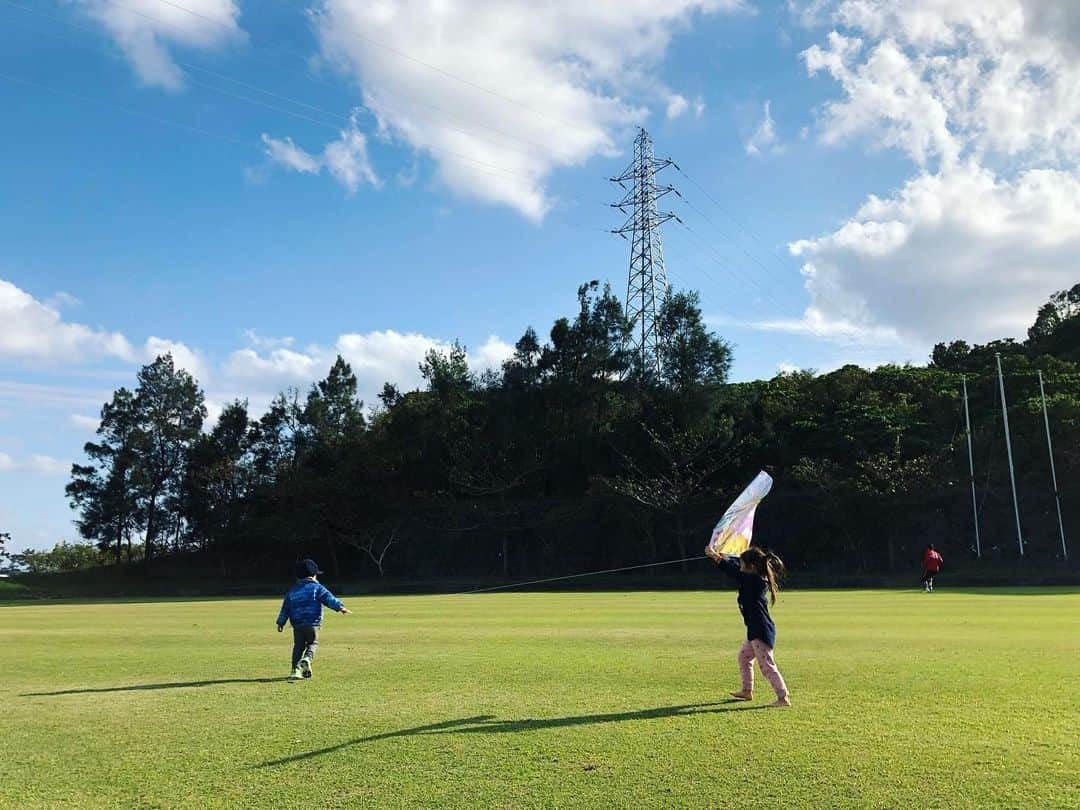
[577, 576]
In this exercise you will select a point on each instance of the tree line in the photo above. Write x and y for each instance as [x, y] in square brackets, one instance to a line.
[572, 457]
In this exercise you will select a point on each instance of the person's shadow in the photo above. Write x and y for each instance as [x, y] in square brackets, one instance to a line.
[487, 724]
[144, 686]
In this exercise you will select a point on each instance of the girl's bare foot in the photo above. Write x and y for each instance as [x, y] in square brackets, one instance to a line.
[743, 694]
[780, 703]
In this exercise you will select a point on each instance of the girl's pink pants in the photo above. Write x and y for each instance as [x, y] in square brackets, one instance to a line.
[763, 653]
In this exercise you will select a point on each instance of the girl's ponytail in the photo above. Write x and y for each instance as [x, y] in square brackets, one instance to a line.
[774, 572]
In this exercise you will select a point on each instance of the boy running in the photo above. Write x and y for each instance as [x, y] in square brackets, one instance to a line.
[931, 564]
[303, 607]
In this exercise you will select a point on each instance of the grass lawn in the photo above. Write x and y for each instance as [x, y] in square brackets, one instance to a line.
[902, 699]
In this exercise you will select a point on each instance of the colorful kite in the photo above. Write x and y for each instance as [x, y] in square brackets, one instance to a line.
[733, 533]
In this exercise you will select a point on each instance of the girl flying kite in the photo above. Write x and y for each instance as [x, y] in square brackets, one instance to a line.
[758, 573]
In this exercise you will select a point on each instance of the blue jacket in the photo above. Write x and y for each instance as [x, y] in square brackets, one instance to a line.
[753, 602]
[304, 603]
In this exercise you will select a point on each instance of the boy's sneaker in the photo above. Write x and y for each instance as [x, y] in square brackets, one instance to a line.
[296, 674]
[305, 667]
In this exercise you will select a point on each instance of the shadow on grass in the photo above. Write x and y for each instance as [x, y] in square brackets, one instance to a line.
[434, 728]
[146, 686]
[487, 724]
[997, 590]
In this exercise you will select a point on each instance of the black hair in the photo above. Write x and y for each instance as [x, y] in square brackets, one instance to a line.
[766, 564]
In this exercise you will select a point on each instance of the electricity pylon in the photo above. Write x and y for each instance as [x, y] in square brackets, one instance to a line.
[646, 283]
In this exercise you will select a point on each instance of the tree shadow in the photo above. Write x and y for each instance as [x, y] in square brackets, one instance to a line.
[1018, 590]
[146, 686]
[487, 724]
[532, 724]
[405, 732]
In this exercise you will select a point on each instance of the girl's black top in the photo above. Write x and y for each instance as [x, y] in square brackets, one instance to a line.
[753, 603]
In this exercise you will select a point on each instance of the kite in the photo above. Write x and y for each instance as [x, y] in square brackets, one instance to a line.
[733, 533]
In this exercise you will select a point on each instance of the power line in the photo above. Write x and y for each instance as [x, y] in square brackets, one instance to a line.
[730, 268]
[127, 110]
[677, 274]
[748, 255]
[725, 211]
[188, 65]
[409, 57]
[493, 168]
[469, 162]
[558, 155]
[411, 97]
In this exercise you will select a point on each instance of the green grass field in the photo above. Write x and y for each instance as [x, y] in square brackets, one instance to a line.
[902, 699]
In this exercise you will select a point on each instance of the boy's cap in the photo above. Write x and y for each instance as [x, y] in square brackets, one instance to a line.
[307, 568]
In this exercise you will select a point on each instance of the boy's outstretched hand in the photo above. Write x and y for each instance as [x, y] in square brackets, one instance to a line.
[345, 611]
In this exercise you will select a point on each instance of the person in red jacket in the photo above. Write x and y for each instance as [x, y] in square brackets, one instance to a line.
[931, 564]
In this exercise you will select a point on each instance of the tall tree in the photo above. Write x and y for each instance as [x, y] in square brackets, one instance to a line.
[592, 347]
[104, 491]
[218, 478]
[690, 355]
[171, 410]
[332, 429]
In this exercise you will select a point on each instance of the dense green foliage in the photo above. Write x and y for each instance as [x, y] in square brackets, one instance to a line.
[546, 700]
[63, 557]
[569, 458]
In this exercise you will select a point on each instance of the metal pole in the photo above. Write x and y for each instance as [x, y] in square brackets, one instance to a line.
[971, 468]
[1008, 447]
[1053, 472]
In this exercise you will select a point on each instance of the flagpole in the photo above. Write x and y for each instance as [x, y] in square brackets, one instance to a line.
[1008, 447]
[1053, 472]
[971, 469]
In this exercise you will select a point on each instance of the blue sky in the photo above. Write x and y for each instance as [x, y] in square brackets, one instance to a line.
[257, 187]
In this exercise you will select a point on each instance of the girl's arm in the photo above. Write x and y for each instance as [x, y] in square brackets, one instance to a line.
[729, 564]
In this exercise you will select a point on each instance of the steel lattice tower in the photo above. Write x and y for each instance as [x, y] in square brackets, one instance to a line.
[646, 284]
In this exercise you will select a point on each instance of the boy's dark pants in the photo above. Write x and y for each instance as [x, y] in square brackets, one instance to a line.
[305, 642]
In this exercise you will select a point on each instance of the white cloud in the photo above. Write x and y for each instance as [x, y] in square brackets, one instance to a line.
[33, 331]
[764, 138]
[214, 407]
[676, 106]
[375, 357]
[63, 300]
[572, 71]
[183, 356]
[264, 342]
[47, 465]
[491, 354]
[83, 422]
[50, 395]
[810, 13]
[148, 30]
[36, 463]
[345, 159]
[36, 333]
[963, 254]
[835, 329]
[248, 370]
[944, 80]
[981, 96]
[288, 154]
